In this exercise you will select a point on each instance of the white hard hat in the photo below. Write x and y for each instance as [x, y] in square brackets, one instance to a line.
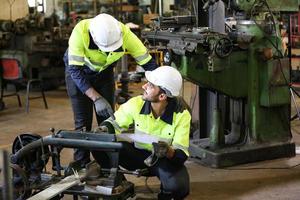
[106, 32]
[166, 77]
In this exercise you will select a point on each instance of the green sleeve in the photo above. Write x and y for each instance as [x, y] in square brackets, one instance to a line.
[126, 113]
[134, 46]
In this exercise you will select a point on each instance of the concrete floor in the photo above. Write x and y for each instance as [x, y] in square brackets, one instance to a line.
[275, 179]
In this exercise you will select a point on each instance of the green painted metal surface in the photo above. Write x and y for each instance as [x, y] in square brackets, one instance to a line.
[277, 5]
[274, 78]
[248, 74]
[230, 80]
[216, 136]
[268, 121]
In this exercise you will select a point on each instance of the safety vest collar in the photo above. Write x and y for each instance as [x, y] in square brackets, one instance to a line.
[92, 44]
[146, 109]
[167, 115]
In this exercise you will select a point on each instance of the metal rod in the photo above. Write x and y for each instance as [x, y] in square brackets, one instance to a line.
[160, 9]
[7, 180]
[70, 143]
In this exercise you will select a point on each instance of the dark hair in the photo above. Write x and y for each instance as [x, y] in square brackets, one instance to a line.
[165, 91]
[162, 91]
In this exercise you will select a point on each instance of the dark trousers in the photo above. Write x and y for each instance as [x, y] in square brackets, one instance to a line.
[174, 179]
[83, 106]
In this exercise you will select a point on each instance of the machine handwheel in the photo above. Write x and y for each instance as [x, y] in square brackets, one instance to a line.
[223, 47]
[27, 170]
[33, 160]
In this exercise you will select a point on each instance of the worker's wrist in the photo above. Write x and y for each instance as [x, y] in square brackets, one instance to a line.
[170, 153]
[92, 94]
[97, 98]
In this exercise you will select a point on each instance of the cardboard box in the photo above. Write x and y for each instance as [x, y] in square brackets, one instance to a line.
[128, 8]
[147, 18]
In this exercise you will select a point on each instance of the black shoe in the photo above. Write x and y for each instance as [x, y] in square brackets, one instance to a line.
[164, 196]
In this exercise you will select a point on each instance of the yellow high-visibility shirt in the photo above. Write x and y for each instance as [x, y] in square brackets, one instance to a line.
[172, 127]
[80, 51]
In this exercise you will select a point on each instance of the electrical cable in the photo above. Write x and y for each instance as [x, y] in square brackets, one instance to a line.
[192, 105]
[43, 155]
[280, 53]
[273, 22]
[265, 3]
[193, 101]
[265, 168]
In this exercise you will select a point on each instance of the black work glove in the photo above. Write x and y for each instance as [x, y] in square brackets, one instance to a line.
[103, 108]
[161, 149]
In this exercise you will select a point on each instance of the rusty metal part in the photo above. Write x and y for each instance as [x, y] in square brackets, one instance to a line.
[21, 183]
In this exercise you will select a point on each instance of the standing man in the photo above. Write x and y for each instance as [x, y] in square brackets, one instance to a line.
[159, 114]
[94, 47]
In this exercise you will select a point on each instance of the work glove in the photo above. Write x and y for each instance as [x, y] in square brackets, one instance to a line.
[161, 149]
[151, 160]
[101, 129]
[103, 108]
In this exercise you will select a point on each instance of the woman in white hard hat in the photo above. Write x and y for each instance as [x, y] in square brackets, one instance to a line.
[160, 116]
[94, 46]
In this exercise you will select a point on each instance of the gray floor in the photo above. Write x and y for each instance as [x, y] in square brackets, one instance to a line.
[275, 179]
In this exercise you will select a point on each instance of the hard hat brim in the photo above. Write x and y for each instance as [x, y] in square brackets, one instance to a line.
[149, 76]
[112, 47]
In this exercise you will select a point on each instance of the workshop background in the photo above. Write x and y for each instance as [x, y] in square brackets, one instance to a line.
[241, 82]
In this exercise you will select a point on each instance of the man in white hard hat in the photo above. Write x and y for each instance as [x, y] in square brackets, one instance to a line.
[160, 114]
[94, 46]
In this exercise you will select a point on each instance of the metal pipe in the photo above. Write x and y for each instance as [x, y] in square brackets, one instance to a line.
[160, 9]
[7, 180]
[66, 142]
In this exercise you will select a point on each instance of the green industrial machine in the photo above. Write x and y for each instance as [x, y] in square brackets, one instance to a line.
[243, 75]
